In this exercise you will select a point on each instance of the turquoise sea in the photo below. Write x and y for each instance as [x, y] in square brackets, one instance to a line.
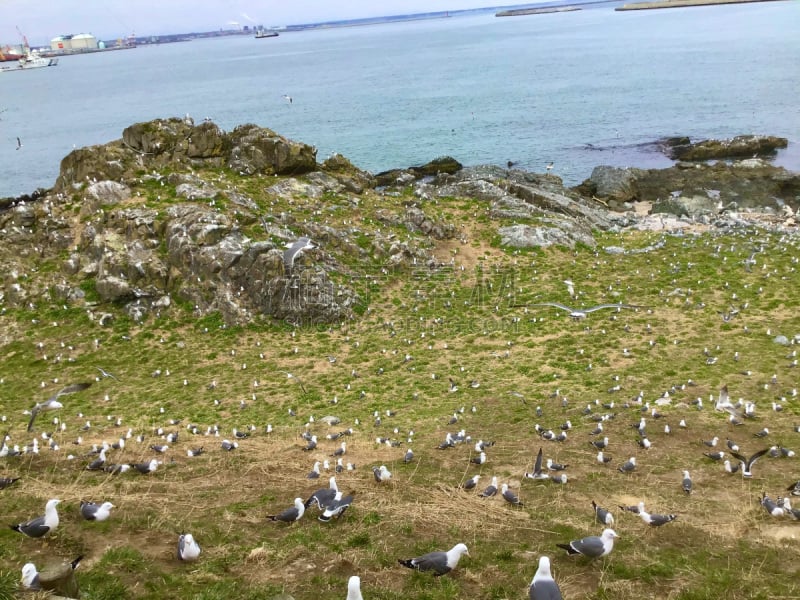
[578, 88]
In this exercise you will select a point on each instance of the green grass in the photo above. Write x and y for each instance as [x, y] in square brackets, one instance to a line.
[469, 324]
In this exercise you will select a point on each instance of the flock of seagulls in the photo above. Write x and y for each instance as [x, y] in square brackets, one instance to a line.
[330, 504]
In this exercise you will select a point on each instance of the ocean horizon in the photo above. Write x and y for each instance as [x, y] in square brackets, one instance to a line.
[578, 89]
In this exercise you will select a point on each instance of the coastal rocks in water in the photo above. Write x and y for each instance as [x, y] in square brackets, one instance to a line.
[742, 146]
[614, 184]
[696, 188]
[179, 143]
[444, 165]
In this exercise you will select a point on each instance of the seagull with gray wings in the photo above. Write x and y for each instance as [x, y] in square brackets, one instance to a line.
[294, 249]
[52, 402]
[291, 514]
[592, 546]
[543, 586]
[40, 526]
[582, 313]
[440, 563]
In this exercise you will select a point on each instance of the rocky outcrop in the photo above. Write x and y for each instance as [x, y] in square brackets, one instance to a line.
[742, 146]
[169, 218]
[694, 188]
[181, 144]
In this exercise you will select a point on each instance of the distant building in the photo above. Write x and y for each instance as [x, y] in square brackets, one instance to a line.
[73, 43]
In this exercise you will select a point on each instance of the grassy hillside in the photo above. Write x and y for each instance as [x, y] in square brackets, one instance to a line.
[471, 321]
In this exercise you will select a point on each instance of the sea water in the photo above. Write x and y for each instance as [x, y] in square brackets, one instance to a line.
[577, 89]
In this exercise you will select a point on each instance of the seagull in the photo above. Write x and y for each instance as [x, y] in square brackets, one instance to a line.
[105, 373]
[549, 167]
[491, 489]
[582, 313]
[52, 402]
[687, 482]
[629, 466]
[354, 588]
[543, 586]
[19, 143]
[381, 474]
[145, 468]
[537, 468]
[294, 249]
[94, 512]
[291, 514]
[188, 549]
[510, 496]
[470, 483]
[602, 515]
[287, 97]
[655, 520]
[40, 526]
[592, 546]
[440, 563]
[7, 481]
[337, 507]
[323, 496]
[747, 463]
[30, 576]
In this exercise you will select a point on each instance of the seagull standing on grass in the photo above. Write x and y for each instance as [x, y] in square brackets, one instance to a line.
[291, 514]
[592, 546]
[92, 511]
[188, 549]
[354, 588]
[543, 586]
[440, 563]
[40, 526]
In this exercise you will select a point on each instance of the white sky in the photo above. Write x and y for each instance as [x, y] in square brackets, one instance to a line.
[41, 20]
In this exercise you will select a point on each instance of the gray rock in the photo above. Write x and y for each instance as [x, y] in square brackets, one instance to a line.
[108, 192]
[781, 339]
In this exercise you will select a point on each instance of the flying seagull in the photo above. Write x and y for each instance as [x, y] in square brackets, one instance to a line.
[592, 546]
[747, 463]
[582, 313]
[19, 143]
[543, 586]
[40, 526]
[92, 511]
[294, 249]
[188, 549]
[537, 468]
[52, 402]
[291, 514]
[105, 373]
[438, 562]
[30, 576]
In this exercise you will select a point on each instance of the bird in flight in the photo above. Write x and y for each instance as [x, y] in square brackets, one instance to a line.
[288, 98]
[582, 313]
[52, 402]
[19, 143]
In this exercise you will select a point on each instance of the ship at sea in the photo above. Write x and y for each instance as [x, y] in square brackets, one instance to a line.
[266, 33]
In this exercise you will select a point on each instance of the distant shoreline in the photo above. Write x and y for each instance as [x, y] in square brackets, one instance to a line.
[682, 4]
[535, 11]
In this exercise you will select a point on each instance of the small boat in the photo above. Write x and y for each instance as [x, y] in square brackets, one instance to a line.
[29, 61]
[264, 33]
